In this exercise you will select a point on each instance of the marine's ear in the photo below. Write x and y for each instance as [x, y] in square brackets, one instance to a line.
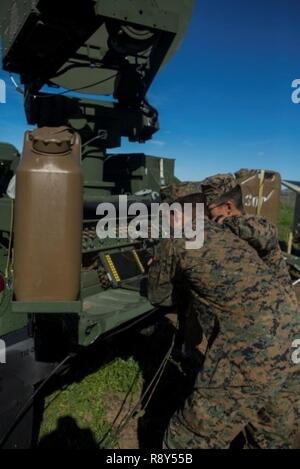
[231, 209]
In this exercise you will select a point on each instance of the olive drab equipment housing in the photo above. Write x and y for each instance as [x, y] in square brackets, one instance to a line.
[85, 69]
[9, 158]
[294, 188]
[261, 192]
[297, 214]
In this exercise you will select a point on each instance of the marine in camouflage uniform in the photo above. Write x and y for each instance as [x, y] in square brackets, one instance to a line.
[248, 380]
[214, 187]
[189, 341]
[173, 192]
[262, 236]
[255, 229]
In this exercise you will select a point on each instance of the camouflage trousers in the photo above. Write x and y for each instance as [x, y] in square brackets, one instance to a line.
[214, 416]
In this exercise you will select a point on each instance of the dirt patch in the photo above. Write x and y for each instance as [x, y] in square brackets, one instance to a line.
[116, 412]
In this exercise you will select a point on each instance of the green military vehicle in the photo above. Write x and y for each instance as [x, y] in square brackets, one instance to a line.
[61, 287]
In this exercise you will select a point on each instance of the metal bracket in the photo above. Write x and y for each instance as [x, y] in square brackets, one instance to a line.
[131, 11]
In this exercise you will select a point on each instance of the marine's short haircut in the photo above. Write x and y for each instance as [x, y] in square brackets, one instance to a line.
[235, 196]
[193, 199]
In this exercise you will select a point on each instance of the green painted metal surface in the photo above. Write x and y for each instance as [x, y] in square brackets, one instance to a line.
[106, 48]
[50, 307]
[108, 310]
[93, 26]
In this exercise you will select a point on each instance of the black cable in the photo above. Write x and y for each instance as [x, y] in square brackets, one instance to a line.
[158, 375]
[74, 90]
[154, 382]
[132, 324]
[75, 65]
[98, 137]
[29, 401]
[108, 433]
[17, 87]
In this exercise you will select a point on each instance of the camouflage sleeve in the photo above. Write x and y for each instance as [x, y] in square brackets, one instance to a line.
[161, 274]
[256, 230]
[262, 236]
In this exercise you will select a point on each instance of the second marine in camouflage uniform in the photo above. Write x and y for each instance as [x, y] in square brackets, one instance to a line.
[248, 379]
[262, 236]
[259, 232]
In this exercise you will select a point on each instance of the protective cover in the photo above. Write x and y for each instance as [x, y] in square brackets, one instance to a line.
[261, 192]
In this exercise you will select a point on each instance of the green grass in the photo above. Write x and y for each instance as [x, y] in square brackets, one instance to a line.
[285, 223]
[76, 415]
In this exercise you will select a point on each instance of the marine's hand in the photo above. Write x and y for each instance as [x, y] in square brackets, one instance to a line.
[220, 219]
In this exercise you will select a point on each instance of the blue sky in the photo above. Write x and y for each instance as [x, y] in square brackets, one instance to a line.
[225, 99]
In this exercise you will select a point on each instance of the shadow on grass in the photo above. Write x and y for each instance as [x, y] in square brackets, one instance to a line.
[69, 436]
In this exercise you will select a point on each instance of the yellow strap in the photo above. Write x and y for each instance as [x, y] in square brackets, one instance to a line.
[113, 269]
[141, 267]
[261, 192]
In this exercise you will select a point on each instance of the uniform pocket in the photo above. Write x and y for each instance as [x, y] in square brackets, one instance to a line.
[221, 373]
[228, 374]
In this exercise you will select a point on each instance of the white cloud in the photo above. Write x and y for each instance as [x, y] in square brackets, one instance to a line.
[158, 143]
[188, 143]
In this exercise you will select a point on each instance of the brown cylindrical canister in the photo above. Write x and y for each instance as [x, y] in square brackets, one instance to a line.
[48, 217]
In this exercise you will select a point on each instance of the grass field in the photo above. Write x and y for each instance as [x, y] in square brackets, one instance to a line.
[285, 224]
[76, 413]
[81, 410]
